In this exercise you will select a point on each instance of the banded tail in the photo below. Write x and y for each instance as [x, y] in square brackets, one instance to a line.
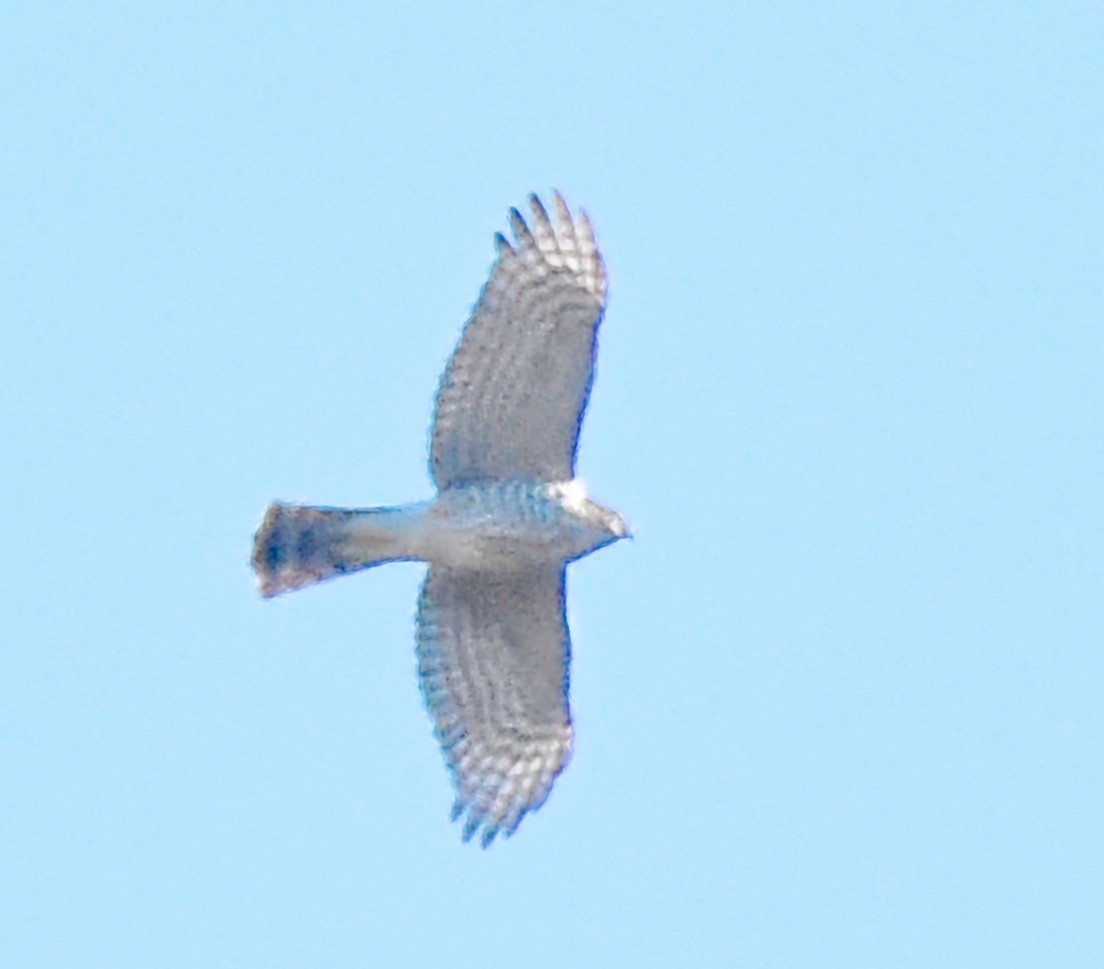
[299, 545]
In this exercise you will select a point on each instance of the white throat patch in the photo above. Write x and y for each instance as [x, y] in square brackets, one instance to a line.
[571, 493]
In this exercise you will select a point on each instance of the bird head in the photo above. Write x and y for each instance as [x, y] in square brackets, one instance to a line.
[573, 496]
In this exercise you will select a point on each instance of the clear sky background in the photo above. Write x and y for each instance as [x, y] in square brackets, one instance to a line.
[839, 704]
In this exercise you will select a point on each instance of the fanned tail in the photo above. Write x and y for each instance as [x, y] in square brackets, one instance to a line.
[299, 545]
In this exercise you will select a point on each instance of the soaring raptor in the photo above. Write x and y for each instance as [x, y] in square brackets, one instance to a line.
[492, 639]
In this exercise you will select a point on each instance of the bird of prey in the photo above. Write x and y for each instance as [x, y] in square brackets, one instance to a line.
[492, 640]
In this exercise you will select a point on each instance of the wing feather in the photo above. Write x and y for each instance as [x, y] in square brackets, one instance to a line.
[514, 392]
[493, 654]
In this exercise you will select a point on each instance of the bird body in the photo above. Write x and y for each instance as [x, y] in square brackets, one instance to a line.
[493, 526]
[493, 647]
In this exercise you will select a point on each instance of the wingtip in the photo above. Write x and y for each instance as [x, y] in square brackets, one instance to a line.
[471, 825]
[540, 213]
[520, 229]
[563, 213]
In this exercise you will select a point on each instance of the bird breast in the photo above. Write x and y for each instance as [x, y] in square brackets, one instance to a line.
[506, 525]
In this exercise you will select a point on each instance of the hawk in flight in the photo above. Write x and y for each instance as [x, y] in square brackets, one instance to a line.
[492, 638]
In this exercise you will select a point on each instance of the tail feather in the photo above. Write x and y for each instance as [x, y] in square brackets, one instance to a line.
[299, 545]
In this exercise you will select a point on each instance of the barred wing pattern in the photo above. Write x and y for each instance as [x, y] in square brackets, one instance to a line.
[493, 645]
[512, 397]
[493, 654]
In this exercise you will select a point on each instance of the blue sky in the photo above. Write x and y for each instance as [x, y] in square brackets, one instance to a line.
[837, 705]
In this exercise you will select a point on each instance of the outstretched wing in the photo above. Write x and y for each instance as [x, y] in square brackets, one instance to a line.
[493, 654]
[513, 394]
